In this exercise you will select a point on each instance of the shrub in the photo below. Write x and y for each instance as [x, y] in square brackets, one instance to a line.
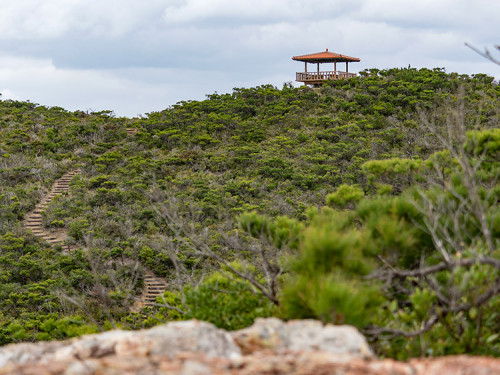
[345, 195]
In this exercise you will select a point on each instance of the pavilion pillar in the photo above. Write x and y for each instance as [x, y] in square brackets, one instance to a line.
[334, 70]
[346, 69]
[305, 63]
[318, 69]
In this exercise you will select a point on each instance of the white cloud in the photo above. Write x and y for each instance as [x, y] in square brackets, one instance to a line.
[24, 19]
[128, 92]
[459, 14]
[135, 56]
[260, 11]
[40, 81]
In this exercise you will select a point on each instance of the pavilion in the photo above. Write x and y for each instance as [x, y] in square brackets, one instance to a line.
[317, 78]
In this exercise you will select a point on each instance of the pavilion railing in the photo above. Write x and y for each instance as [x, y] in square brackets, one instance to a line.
[320, 76]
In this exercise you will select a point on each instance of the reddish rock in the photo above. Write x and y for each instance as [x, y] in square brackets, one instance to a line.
[198, 348]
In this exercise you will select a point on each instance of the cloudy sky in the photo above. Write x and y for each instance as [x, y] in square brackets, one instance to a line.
[139, 56]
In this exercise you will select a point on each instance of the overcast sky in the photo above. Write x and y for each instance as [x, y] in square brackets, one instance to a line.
[139, 56]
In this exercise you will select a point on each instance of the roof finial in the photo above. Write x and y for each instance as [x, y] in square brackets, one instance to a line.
[327, 50]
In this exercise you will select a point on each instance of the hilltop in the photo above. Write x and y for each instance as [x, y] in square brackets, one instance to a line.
[224, 199]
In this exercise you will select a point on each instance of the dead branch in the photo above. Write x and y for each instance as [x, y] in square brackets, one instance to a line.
[486, 53]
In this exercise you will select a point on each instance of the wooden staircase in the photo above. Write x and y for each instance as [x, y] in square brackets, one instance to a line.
[132, 131]
[153, 286]
[33, 221]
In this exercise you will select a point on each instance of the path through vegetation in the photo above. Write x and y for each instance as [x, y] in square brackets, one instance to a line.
[153, 286]
[34, 219]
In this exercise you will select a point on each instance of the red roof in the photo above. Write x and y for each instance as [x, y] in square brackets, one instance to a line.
[325, 56]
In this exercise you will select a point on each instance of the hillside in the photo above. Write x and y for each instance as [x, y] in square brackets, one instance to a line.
[220, 198]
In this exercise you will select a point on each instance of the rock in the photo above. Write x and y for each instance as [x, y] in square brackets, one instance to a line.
[302, 335]
[456, 365]
[166, 340]
[192, 336]
[270, 346]
[26, 353]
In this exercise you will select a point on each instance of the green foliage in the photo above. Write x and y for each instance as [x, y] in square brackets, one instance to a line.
[344, 195]
[398, 240]
[222, 300]
[254, 164]
[280, 231]
[325, 286]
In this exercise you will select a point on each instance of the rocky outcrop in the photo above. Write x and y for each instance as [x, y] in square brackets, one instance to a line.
[302, 336]
[270, 346]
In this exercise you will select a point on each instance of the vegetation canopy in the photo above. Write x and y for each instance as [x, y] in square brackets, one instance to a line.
[372, 201]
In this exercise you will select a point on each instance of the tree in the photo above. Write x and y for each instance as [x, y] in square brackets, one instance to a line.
[424, 265]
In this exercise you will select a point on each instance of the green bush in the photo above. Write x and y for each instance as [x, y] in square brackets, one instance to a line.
[344, 195]
[222, 300]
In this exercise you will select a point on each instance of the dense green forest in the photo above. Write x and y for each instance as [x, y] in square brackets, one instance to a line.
[371, 201]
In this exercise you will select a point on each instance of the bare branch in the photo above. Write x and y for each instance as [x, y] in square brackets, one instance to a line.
[486, 54]
[424, 271]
